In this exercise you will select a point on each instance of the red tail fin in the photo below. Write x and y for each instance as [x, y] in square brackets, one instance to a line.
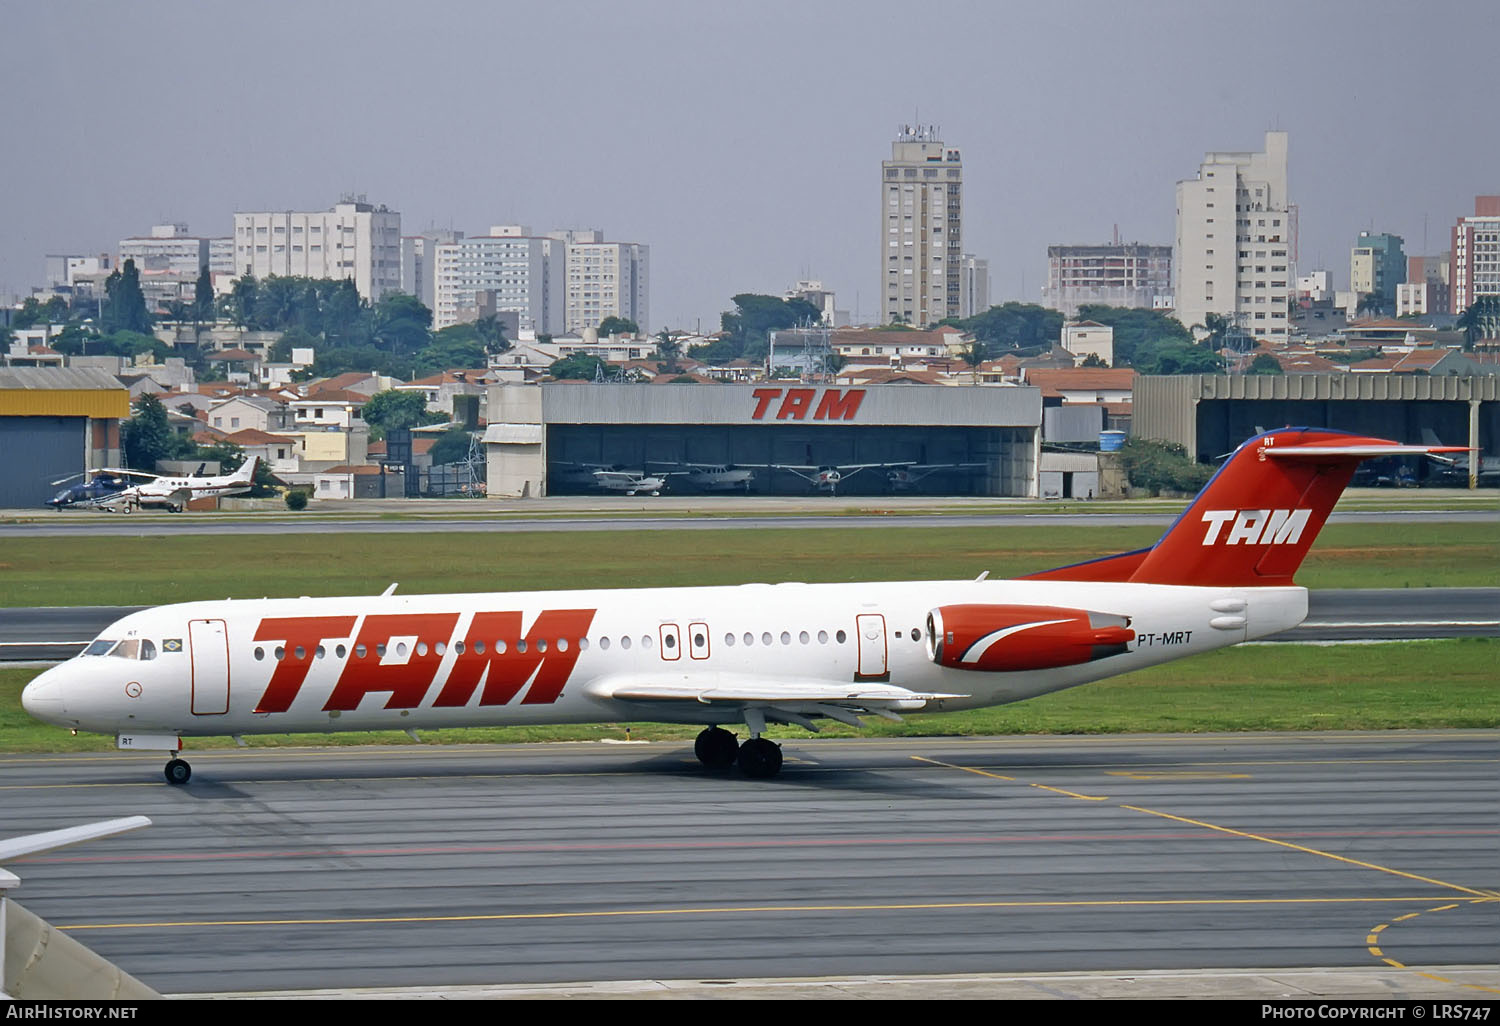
[1255, 520]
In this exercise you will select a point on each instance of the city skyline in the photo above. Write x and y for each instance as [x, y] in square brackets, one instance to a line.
[739, 144]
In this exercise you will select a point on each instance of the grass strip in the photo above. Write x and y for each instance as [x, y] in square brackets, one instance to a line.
[159, 569]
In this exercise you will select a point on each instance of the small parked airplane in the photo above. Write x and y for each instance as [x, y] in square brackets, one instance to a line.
[712, 477]
[905, 478]
[174, 493]
[754, 654]
[827, 478]
[631, 482]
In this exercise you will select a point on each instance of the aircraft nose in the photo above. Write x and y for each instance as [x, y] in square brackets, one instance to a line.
[43, 698]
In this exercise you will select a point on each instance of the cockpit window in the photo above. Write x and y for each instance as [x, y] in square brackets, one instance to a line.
[128, 649]
[148, 650]
[99, 647]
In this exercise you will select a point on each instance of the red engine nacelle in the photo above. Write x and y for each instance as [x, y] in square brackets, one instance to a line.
[1008, 638]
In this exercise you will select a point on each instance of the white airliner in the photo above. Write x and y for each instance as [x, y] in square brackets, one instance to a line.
[753, 654]
[174, 493]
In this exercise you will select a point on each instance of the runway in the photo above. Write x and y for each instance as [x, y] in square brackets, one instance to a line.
[553, 865]
[61, 632]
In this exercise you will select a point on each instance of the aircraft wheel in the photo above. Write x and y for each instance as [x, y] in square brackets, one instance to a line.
[125, 508]
[178, 772]
[760, 758]
[716, 748]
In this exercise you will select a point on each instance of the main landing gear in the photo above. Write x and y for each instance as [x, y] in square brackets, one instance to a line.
[178, 771]
[718, 749]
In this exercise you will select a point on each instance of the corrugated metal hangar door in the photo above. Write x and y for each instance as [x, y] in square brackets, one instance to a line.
[34, 452]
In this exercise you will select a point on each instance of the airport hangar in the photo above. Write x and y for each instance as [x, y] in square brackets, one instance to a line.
[990, 437]
[55, 421]
[1210, 414]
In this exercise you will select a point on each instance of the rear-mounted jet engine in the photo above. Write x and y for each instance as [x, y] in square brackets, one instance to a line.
[1010, 638]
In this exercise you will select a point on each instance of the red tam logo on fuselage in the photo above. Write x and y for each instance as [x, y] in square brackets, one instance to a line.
[798, 403]
[406, 654]
[1256, 526]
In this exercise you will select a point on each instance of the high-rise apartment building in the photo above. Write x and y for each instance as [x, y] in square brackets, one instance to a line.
[353, 239]
[604, 279]
[1377, 264]
[921, 197]
[1128, 274]
[1429, 277]
[418, 263]
[506, 270]
[973, 285]
[1234, 253]
[168, 247]
[1476, 254]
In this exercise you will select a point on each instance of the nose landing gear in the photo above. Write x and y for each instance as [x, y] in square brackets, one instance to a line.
[178, 771]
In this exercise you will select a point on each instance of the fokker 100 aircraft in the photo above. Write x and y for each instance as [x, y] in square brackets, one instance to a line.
[754, 654]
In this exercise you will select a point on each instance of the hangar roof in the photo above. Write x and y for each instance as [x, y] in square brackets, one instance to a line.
[62, 392]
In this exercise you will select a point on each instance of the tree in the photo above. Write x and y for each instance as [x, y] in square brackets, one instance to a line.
[281, 349]
[1175, 357]
[34, 311]
[669, 351]
[444, 353]
[1093, 360]
[203, 300]
[126, 306]
[1134, 328]
[240, 304]
[401, 323]
[1481, 319]
[747, 328]
[452, 446]
[393, 409]
[618, 326]
[1162, 465]
[1372, 303]
[580, 367]
[1014, 326]
[148, 437]
[1218, 327]
[1265, 363]
[490, 333]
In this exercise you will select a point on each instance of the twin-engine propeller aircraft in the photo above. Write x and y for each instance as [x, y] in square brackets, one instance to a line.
[753, 654]
[171, 493]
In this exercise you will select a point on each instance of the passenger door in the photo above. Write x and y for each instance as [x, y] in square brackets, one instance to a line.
[208, 643]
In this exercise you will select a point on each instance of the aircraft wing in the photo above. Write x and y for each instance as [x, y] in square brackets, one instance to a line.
[748, 690]
[849, 468]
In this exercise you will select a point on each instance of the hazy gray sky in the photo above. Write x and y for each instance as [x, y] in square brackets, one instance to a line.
[741, 141]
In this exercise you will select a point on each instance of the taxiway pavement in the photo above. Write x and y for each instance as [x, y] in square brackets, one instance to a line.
[545, 867]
